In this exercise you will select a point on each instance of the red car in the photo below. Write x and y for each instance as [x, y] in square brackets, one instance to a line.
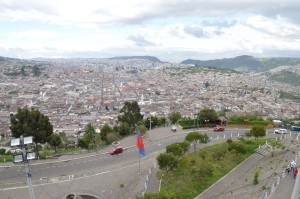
[219, 128]
[117, 150]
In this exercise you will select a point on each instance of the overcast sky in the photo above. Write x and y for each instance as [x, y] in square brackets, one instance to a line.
[172, 30]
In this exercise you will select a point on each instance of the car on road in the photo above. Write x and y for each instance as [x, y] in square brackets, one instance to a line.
[173, 128]
[116, 150]
[219, 128]
[280, 131]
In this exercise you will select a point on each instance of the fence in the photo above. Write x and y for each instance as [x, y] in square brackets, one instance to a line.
[150, 179]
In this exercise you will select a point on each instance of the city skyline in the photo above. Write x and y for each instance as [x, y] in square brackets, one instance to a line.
[170, 30]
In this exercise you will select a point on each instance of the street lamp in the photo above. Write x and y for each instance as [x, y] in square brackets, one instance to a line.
[246, 122]
[24, 158]
[206, 121]
[150, 128]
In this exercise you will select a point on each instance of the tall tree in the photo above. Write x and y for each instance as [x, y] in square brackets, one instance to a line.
[90, 133]
[174, 117]
[124, 129]
[130, 113]
[258, 131]
[105, 130]
[31, 123]
[55, 141]
[210, 115]
[195, 137]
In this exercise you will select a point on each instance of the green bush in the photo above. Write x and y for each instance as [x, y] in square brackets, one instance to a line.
[229, 141]
[255, 179]
[2, 151]
[175, 149]
[203, 170]
[238, 147]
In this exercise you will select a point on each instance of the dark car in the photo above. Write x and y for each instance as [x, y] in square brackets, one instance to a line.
[117, 150]
[219, 128]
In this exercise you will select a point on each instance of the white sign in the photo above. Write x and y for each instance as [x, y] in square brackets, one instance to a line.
[15, 142]
[30, 156]
[18, 158]
[28, 140]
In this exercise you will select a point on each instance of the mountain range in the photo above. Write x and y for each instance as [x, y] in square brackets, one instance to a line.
[242, 63]
[245, 63]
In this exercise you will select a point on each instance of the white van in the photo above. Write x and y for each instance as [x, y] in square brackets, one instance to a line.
[280, 131]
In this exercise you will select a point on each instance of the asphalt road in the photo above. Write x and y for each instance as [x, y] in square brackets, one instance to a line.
[102, 160]
[92, 164]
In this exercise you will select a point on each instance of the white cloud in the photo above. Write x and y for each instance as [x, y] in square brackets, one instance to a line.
[166, 28]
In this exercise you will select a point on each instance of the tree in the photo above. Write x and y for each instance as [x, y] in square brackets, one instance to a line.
[36, 70]
[130, 113]
[106, 129]
[55, 141]
[185, 145]
[111, 137]
[142, 129]
[90, 132]
[31, 123]
[175, 149]
[174, 117]
[162, 121]
[124, 129]
[167, 161]
[89, 138]
[194, 138]
[274, 144]
[154, 122]
[207, 114]
[258, 131]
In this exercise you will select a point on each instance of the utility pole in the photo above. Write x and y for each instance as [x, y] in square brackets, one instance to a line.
[150, 128]
[24, 158]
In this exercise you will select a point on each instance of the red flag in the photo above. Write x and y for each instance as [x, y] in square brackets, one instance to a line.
[140, 144]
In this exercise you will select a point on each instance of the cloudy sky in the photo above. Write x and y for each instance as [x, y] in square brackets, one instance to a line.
[172, 30]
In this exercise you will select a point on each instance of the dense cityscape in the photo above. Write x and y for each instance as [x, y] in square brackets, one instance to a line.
[75, 92]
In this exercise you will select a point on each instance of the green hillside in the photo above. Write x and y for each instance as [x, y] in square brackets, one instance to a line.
[246, 63]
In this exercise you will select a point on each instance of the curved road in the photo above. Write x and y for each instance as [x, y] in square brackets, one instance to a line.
[102, 162]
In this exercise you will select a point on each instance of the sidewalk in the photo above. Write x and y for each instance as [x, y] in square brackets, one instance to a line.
[285, 188]
[218, 189]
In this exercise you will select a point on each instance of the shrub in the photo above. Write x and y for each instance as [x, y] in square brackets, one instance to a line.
[238, 147]
[185, 145]
[255, 180]
[217, 155]
[2, 151]
[203, 170]
[229, 141]
[175, 149]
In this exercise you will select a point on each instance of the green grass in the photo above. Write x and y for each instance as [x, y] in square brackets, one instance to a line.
[6, 158]
[185, 184]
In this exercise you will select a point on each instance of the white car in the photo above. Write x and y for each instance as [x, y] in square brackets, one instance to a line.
[280, 131]
[173, 128]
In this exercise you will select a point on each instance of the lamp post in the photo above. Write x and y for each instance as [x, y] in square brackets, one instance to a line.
[194, 118]
[150, 128]
[206, 121]
[24, 158]
[246, 122]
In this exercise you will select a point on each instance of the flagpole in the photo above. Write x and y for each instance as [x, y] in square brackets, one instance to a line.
[139, 163]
